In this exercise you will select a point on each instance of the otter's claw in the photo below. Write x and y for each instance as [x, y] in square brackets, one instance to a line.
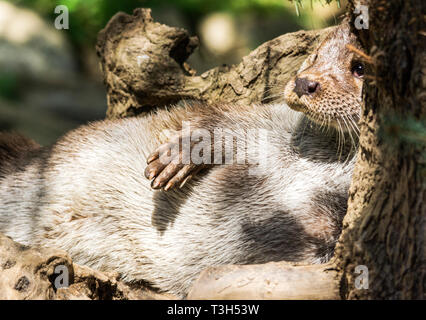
[169, 172]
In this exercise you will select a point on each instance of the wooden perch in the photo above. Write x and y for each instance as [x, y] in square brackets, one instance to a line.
[272, 281]
[144, 66]
[31, 273]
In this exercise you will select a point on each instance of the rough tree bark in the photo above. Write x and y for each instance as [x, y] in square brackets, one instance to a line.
[385, 225]
[32, 274]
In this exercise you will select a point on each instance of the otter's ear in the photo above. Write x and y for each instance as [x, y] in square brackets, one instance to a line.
[345, 25]
[346, 21]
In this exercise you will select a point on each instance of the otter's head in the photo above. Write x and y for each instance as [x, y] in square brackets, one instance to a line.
[328, 85]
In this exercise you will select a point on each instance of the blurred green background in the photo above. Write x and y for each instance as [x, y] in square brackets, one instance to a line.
[50, 80]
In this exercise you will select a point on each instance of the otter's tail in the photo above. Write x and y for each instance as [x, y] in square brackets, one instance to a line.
[14, 146]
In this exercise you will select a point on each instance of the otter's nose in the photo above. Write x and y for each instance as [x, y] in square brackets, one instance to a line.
[305, 86]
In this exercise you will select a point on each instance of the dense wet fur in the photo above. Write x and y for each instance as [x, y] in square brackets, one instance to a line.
[87, 194]
[13, 147]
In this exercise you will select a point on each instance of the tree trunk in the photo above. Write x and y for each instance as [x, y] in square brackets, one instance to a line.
[385, 225]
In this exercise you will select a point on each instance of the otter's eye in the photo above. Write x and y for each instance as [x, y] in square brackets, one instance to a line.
[358, 69]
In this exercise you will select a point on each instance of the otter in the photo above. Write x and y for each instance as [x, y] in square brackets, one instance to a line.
[87, 193]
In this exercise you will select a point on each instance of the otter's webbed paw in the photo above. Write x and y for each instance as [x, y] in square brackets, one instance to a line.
[169, 166]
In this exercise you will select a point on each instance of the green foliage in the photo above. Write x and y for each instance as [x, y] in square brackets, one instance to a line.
[87, 17]
[299, 4]
[8, 85]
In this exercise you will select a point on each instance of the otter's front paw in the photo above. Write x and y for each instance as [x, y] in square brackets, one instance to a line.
[168, 167]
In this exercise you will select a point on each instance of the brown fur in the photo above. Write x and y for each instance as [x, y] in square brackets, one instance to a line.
[13, 146]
